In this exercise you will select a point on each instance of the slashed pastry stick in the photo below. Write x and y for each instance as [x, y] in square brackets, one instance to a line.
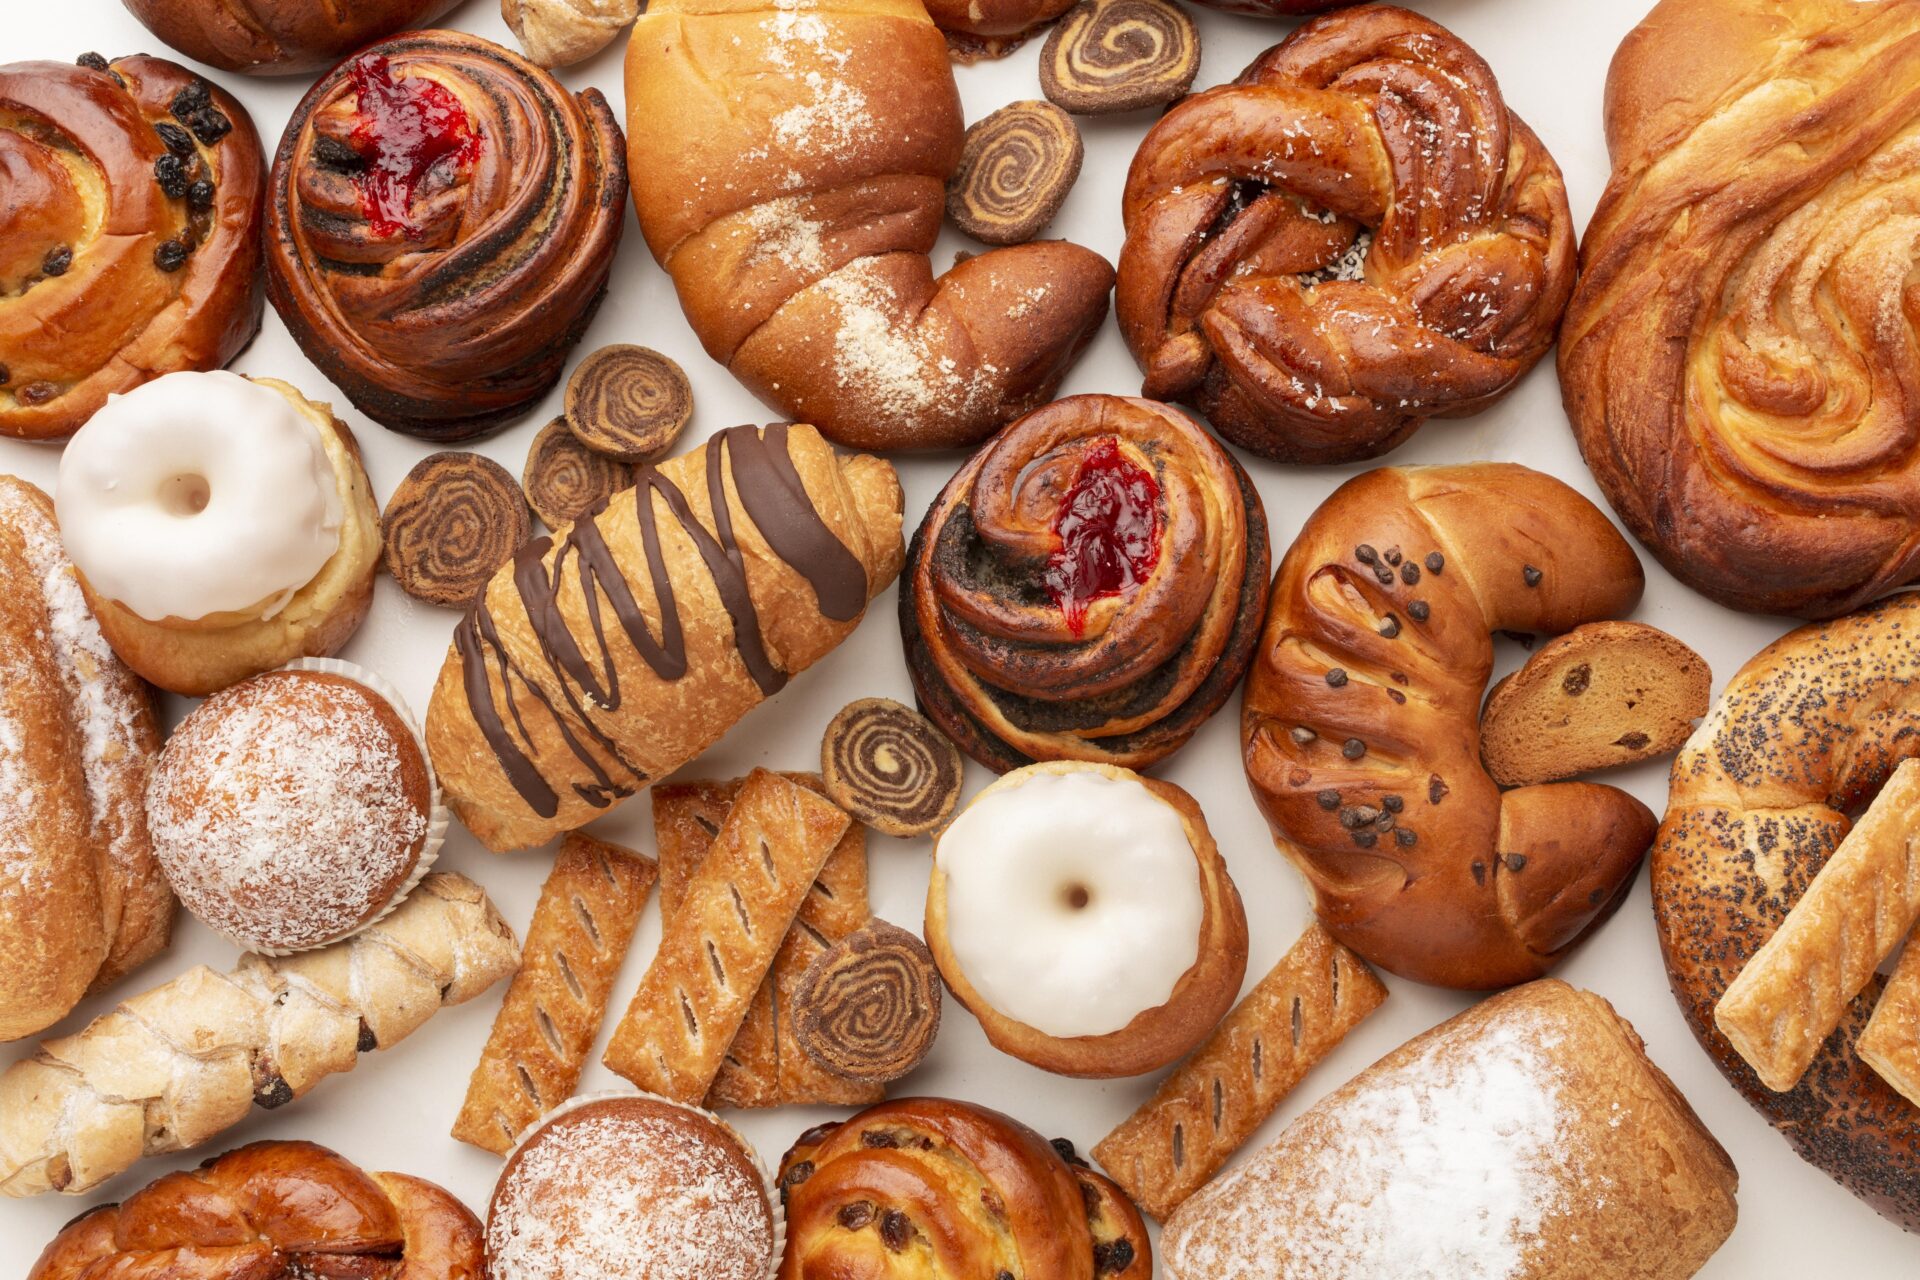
[1890, 1044]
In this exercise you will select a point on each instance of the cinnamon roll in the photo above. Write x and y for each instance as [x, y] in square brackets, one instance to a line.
[1088, 587]
[129, 234]
[443, 218]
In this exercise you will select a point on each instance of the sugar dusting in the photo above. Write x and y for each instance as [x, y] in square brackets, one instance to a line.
[879, 353]
[628, 1196]
[283, 821]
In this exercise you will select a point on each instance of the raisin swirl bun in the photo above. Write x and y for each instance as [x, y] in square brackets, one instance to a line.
[1353, 237]
[1088, 587]
[129, 234]
[443, 219]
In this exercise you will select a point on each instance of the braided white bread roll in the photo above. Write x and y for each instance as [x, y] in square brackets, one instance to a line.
[172, 1067]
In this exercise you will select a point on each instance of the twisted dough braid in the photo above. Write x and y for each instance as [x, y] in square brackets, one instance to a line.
[999, 666]
[455, 323]
[129, 234]
[274, 1209]
[172, 1067]
[1353, 237]
[1741, 362]
[1361, 727]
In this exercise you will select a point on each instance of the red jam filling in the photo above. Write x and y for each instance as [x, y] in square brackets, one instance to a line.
[1109, 529]
[402, 130]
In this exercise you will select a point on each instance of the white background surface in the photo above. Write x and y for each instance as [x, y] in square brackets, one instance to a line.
[394, 1110]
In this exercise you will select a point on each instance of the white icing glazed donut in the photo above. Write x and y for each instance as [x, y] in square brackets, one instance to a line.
[199, 494]
[1084, 915]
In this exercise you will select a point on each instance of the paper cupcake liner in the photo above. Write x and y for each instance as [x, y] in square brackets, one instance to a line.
[775, 1206]
[438, 818]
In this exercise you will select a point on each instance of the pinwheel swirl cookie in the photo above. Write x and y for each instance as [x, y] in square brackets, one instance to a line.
[1088, 587]
[443, 218]
[1353, 237]
[1740, 362]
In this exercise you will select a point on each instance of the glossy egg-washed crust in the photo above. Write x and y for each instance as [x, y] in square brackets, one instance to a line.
[278, 37]
[930, 1189]
[109, 273]
[1761, 796]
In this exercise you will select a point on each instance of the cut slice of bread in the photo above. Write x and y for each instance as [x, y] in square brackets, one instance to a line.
[1606, 694]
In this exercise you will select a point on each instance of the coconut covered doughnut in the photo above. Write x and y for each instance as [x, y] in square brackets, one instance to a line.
[1084, 915]
[222, 526]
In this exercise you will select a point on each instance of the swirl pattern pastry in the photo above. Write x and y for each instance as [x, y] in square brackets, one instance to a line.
[1088, 587]
[443, 218]
[1015, 171]
[1353, 237]
[129, 234]
[278, 37]
[1741, 360]
[1119, 55]
[890, 768]
[455, 519]
[868, 1007]
[629, 403]
[564, 479]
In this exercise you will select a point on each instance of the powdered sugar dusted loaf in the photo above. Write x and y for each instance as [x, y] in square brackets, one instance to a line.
[1529, 1138]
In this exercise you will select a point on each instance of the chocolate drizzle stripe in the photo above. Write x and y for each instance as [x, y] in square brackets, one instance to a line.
[771, 491]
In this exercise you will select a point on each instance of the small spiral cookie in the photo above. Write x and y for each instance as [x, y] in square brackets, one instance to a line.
[564, 479]
[888, 766]
[868, 1007]
[1016, 169]
[629, 403]
[1119, 55]
[455, 519]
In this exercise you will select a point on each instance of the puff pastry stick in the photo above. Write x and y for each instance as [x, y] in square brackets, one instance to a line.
[1890, 1044]
[763, 1066]
[575, 944]
[716, 949]
[1795, 990]
[172, 1067]
[1212, 1103]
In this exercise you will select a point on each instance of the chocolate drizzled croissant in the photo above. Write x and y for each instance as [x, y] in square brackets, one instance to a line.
[998, 657]
[441, 283]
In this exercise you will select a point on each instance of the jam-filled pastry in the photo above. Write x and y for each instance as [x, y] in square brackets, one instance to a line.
[443, 216]
[1088, 587]
[278, 37]
[616, 650]
[1353, 237]
[129, 234]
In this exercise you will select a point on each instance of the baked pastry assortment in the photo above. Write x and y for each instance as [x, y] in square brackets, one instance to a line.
[442, 220]
[1085, 916]
[796, 219]
[1758, 444]
[1361, 724]
[82, 900]
[129, 235]
[1533, 1131]
[278, 37]
[564, 694]
[1760, 806]
[1089, 586]
[1353, 237]
[222, 526]
[944, 1189]
[272, 1208]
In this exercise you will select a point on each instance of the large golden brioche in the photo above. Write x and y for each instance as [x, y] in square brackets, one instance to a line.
[625, 644]
[1738, 367]
[82, 899]
[794, 160]
[1361, 725]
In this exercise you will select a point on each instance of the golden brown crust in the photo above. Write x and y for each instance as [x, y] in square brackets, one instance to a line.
[721, 938]
[926, 1187]
[1001, 25]
[559, 33]
[1360, 727]
[278, 37]
[1755, 441]
[1212, 1103]
[92, 301]
[1158, 1035]
[588, 908]
[1804, 734]
[763, 1067]
[1318, 273]
[796, 221]
[1890, 1042]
